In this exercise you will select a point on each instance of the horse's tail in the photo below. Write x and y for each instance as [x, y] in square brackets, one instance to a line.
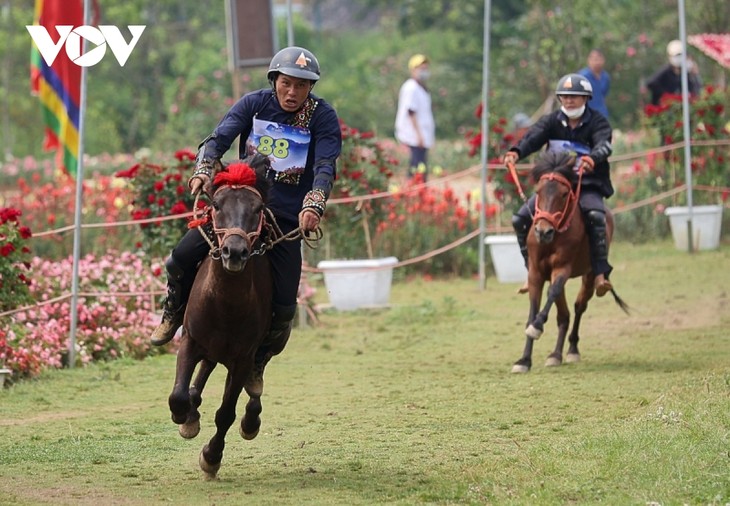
[620, 302]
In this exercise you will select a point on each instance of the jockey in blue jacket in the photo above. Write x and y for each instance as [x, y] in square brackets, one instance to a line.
[587, 134]
[301, 134]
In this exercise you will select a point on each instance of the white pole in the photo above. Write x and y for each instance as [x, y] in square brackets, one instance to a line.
[77, 210]
[289, 24]
[485, 134]
[685, 123]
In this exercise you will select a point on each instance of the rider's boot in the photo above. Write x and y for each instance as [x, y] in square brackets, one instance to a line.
[282, 319]
[173, 307]
[596, 230]
[522, 225]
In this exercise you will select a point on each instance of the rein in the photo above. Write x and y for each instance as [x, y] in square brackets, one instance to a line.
[267, 222]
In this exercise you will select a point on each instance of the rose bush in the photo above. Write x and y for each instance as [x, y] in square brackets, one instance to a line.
[15, 258]
[160, 191]
[500, 181]
[710, 134]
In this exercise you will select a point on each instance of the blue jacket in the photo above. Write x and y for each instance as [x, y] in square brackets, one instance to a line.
[285, 200]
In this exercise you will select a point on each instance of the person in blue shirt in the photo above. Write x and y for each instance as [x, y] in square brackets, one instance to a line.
[599, 79]
[285, 115]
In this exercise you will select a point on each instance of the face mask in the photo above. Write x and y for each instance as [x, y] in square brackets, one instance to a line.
[675, 61]
[573, 113]
[423, 75]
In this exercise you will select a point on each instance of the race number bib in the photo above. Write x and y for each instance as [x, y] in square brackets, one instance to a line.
[286, 147]
[576, 149]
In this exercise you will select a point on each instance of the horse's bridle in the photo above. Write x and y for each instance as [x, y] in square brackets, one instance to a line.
[224, 233]
[560, 220]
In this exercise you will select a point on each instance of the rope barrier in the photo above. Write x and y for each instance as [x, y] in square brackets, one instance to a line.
[385, 194]
[65, 296]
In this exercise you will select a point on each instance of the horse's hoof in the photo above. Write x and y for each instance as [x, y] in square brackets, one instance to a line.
[533, 333]
[189, 430]
[553, 362]
[520, 369]
[572, 358]
[250, 435]
[210, 470]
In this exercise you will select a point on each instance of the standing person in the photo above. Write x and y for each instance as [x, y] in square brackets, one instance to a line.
[414, 124]
[580, 130]
[267, 121]
[599, 79]
[668, 79]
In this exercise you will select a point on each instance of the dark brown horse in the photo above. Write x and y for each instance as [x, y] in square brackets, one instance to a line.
[557, 251]
[228, 312]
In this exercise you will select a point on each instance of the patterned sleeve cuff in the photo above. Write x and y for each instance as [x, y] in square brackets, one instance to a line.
[315, 200]
[204, 168]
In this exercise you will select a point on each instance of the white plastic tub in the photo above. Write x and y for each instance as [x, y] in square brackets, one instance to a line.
[354, 284]
[706, 226]
[509, 266]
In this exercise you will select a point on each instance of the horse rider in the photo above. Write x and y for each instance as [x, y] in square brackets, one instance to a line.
[578, 129]
[300, 133]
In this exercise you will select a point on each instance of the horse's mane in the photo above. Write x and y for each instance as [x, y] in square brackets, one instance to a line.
[561, 162]
[251, 171]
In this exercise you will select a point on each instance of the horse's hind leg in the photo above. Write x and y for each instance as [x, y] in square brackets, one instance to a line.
[212, 453]
[251, 421]
[581, 304]
[563, 320]
[191, 427]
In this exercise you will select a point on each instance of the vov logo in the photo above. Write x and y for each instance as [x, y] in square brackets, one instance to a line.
[71, 37]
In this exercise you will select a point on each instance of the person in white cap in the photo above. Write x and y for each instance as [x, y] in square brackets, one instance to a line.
[668, 79]
[414, 123]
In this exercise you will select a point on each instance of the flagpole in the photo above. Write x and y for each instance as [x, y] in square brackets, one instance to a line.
[77, 210]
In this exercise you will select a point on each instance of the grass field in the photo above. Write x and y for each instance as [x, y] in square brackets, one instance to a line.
[416, 405]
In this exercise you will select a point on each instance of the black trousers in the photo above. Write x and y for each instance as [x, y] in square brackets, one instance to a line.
[285, 259]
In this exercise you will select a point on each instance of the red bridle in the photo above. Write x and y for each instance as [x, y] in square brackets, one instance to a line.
[560, 220]
[224, 233]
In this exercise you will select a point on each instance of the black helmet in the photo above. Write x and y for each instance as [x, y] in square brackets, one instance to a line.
[296, 62]
[574, 84]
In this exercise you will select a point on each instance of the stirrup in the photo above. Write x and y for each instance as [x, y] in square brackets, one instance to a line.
[167, 328]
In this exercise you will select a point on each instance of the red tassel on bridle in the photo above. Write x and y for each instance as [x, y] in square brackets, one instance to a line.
[236, 174]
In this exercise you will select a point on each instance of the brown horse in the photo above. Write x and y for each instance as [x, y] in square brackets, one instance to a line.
[229, 310]
[557, 251]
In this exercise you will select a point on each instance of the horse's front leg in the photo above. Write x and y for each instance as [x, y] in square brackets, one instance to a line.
[581, 304]
[179, 400]
[524, 364]
[212, 453]
[191, 427]
[536, 327]
[563, 320]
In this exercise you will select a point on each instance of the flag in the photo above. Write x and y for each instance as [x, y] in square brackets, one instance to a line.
[58, 86]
